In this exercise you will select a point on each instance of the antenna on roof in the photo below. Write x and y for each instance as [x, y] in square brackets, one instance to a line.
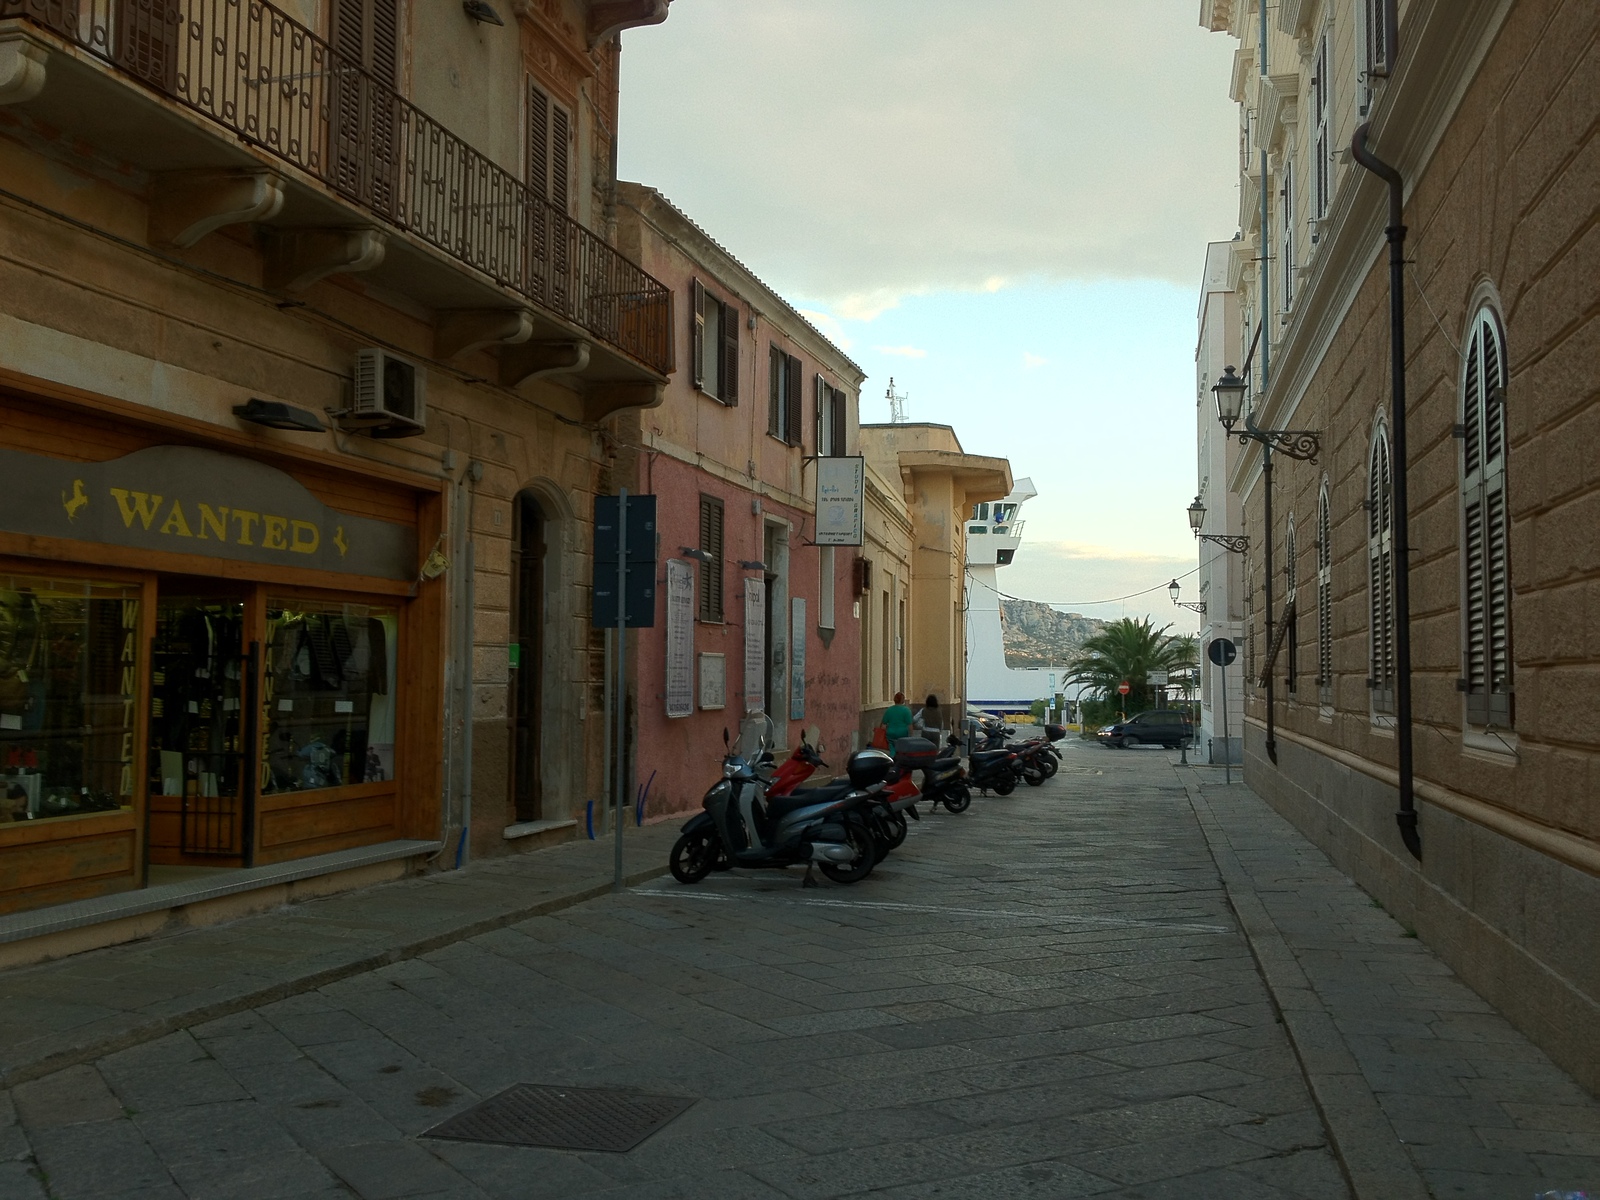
[897, 404]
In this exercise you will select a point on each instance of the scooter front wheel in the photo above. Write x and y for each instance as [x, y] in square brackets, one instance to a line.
[694, 855]
[1034, 776]
[1004, 787]
[898, 828]
[861, 841]
[1049, 766]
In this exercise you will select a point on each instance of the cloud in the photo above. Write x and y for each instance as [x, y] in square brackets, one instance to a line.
[830, 325]
[900, 146]
[1033, 360]
[902, 351]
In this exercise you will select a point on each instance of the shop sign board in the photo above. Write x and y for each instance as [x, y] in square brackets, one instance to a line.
[797, 659]
[755, 644]
[841, 497]
[680, 638]
[713, 681]
[189, 500]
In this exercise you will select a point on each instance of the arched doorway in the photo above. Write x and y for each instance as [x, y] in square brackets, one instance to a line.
[529, 548]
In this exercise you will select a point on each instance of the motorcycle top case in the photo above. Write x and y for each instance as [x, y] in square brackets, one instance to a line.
[915, 753]
[1055, 732]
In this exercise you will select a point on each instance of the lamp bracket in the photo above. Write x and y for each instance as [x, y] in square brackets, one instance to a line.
[1237, 543]
[1198, 606]
[1301, 444]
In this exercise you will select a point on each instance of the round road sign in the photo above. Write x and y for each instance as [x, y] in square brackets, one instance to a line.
[1221, 651]
[1124, 688]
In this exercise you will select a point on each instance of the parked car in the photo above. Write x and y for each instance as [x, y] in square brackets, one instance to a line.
[1163, 726]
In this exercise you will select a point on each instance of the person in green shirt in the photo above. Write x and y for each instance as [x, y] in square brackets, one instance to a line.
[897, 720]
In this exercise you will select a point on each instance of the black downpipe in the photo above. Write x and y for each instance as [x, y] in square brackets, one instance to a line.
[1406, 818]
[1266, 587]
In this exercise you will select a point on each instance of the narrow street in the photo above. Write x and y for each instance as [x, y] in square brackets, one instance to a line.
[1050, 995]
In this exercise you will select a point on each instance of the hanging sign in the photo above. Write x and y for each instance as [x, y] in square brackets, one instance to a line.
[680, 638]
[755, 644]
[841, 497]
[188, 500]
[797, 659]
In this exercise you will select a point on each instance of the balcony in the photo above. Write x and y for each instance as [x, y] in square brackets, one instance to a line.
[238, 113]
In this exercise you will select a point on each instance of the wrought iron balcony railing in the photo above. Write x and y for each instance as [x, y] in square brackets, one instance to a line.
[277, 86]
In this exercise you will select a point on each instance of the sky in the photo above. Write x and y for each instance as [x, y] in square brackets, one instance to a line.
[1004, 206]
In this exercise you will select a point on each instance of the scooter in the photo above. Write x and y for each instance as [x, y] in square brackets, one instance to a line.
[995, 771]
[888, 809]
[943, 779]
[826, 827]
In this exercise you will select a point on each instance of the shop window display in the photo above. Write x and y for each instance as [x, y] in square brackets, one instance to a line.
[69, 676]
[328, 694]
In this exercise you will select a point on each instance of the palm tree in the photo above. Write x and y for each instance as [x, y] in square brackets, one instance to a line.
[1128, 650]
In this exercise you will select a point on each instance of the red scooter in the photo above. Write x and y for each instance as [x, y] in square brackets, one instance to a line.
[888, 812]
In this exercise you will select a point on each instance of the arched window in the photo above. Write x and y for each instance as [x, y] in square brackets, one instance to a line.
[1380, 574]
[1291, 576]
[1324, 598]
[1486, 615]
[1249, 625]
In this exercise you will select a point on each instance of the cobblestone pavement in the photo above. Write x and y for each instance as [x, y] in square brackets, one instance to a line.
[1052, 995]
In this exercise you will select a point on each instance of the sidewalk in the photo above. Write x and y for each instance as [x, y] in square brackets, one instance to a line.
[80, 1008]
[1424, 1088]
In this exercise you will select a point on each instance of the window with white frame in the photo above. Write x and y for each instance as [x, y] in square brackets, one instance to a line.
[832, 411]
[1324, 598]
[786, 397]
[1486, 613]
[1321, 132]
[1380, 575]
[1372, 59]
[714, 349]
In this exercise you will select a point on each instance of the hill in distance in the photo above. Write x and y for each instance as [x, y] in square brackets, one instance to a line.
[1037, 635]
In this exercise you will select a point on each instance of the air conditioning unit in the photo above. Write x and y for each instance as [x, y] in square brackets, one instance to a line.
[388, 396]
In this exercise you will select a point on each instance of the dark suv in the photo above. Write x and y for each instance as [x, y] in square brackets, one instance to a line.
[1163, 726]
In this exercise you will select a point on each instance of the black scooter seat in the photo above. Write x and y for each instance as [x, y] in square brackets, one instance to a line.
[944, 764]
[778, 806]
[989, 756]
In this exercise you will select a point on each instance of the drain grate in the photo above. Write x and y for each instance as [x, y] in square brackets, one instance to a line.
[562, 1118]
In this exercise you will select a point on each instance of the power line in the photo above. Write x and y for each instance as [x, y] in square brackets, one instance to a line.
[1082, 603]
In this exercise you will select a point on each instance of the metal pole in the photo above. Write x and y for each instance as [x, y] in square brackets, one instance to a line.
[621, 778]
[1266, 467]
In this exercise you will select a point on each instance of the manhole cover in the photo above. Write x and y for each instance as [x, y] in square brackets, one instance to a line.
[528, 1114]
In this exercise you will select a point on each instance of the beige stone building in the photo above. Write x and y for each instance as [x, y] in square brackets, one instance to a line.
[309, 322]
[922, 488]
[1486, 109]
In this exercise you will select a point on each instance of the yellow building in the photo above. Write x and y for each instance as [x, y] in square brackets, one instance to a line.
[921, 486]
[305, 339]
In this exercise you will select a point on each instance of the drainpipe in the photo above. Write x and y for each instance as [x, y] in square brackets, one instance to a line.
[1406, 817]
[1266, 361]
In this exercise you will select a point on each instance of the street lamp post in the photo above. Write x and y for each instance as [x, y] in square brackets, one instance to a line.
[1236, 543]
[1198, 606]
[1302, 445]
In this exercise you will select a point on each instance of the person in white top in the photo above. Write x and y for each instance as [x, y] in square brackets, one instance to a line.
[928, 721]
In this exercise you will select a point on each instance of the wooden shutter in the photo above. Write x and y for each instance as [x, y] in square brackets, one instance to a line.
[1324, 598]
[538, 141]
[697, 333]
[793, 414]
[728, 379]
[711, 571]
[1380, 577]
[1291, 570]
[841, 419]
[366, 40]
[819, 414]
[1486, 564]
[775, 407]
[560, 146]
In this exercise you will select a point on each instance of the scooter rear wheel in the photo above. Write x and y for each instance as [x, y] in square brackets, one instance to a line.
[1049, 766]
[861, 841]
[1033, 776]
[693, 856]
[1005, 786]
[957, 799]
[898, 828]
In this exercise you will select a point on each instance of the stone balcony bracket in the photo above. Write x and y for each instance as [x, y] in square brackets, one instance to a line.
[535, 360]
[187, 205]
[1279, 104]
[601, 400]
[297, 258]
[22, 68]
[464, 330]
[608, 17]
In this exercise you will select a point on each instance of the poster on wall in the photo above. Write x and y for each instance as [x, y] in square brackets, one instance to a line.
[841, 495]
[797, 659]
[755, 644]
[680, 638]
[713, 681]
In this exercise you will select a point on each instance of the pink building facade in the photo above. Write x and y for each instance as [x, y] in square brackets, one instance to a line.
[755, 621]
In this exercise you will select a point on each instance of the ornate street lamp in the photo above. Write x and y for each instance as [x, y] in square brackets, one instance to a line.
[1301, 444]
[1196, 606]
[1238, 543]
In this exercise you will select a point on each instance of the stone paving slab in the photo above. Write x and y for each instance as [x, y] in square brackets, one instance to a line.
[1425, 1089]
[80, 1008]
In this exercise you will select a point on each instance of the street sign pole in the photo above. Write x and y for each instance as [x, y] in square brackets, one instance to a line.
[621, 690]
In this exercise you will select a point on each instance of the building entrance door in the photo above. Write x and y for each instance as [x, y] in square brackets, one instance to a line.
[204, 757]
[527, 638]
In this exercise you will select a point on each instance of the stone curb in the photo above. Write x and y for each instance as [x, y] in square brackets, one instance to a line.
[1371, 1155]
[151, 1028]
